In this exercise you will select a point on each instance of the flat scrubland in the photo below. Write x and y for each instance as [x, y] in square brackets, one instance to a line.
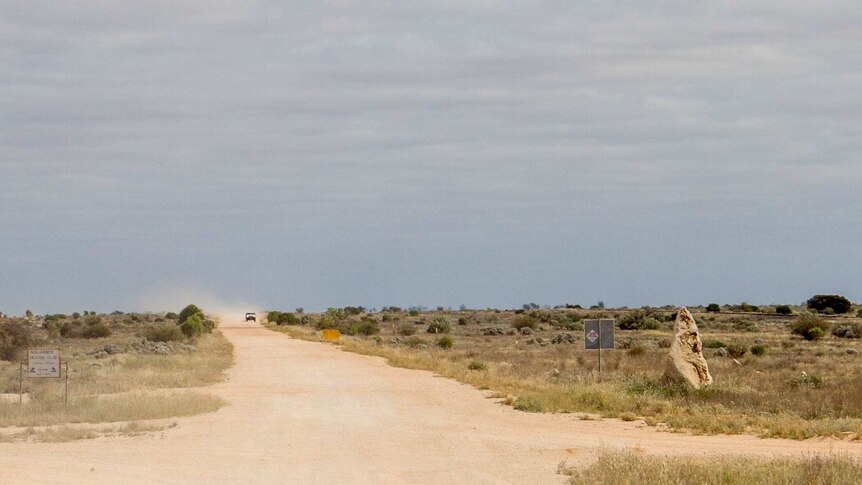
[788, 388]
[115, 376]
[769, 381]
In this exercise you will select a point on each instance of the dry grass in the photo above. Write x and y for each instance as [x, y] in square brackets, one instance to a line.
[49, 410]
[796, 390]
[629, 467]
[66, 433]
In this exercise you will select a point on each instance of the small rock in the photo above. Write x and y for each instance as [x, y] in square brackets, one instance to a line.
[851, 351]
[96, 365]
[721, 352]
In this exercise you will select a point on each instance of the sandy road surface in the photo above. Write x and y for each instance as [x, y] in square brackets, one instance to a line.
[305, 413]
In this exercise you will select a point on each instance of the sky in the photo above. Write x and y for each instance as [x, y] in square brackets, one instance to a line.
[274, 155]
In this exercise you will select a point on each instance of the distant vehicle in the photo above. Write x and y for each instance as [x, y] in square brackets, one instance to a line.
[250, 317]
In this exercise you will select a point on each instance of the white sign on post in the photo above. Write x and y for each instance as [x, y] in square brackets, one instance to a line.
[43, 363]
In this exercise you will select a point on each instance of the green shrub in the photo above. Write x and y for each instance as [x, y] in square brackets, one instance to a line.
[96, 330]
[406, 329]
[282, 318]
[445, 342]
[93, 320]
[171, 316]
[164, 332]
[639, 320]
[15, 338]
[758, 350]
[476, 365]
[525, 321]
[187, 312]
[440, 325]
[809, 326]
[71, 329]
[193, 326]
[783, 310]
[368, 328]
[714, 344]
[745, 307]
[821, 303]
[713, 308]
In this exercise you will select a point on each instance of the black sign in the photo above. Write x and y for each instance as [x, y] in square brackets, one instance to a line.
[599, 332]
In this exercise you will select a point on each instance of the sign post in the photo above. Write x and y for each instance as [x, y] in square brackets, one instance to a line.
[44, 364]
[598, 335]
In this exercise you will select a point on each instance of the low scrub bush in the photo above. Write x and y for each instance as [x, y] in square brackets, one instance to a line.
[445, 342]
[713, 308]
[783, 310]
[758, 350]
[639, 320]
[714, 344]
[809, 326]
[525, 321]
[164, 332]
[406, 329]
[415, 342]
[282, 318]
[848, 330]
[440, 325]
[476, 365]
[745, 325]
[368, 328]
[745, 307]
[15, 338]
[96, 330]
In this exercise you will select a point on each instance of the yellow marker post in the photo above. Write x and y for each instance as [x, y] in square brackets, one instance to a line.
[331, 334]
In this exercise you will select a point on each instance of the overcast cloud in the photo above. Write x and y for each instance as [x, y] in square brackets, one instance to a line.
[276, 154]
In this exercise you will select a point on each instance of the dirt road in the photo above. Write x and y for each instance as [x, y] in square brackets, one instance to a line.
[306, 413]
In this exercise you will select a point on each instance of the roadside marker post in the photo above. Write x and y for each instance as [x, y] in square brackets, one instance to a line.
[598, 335]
